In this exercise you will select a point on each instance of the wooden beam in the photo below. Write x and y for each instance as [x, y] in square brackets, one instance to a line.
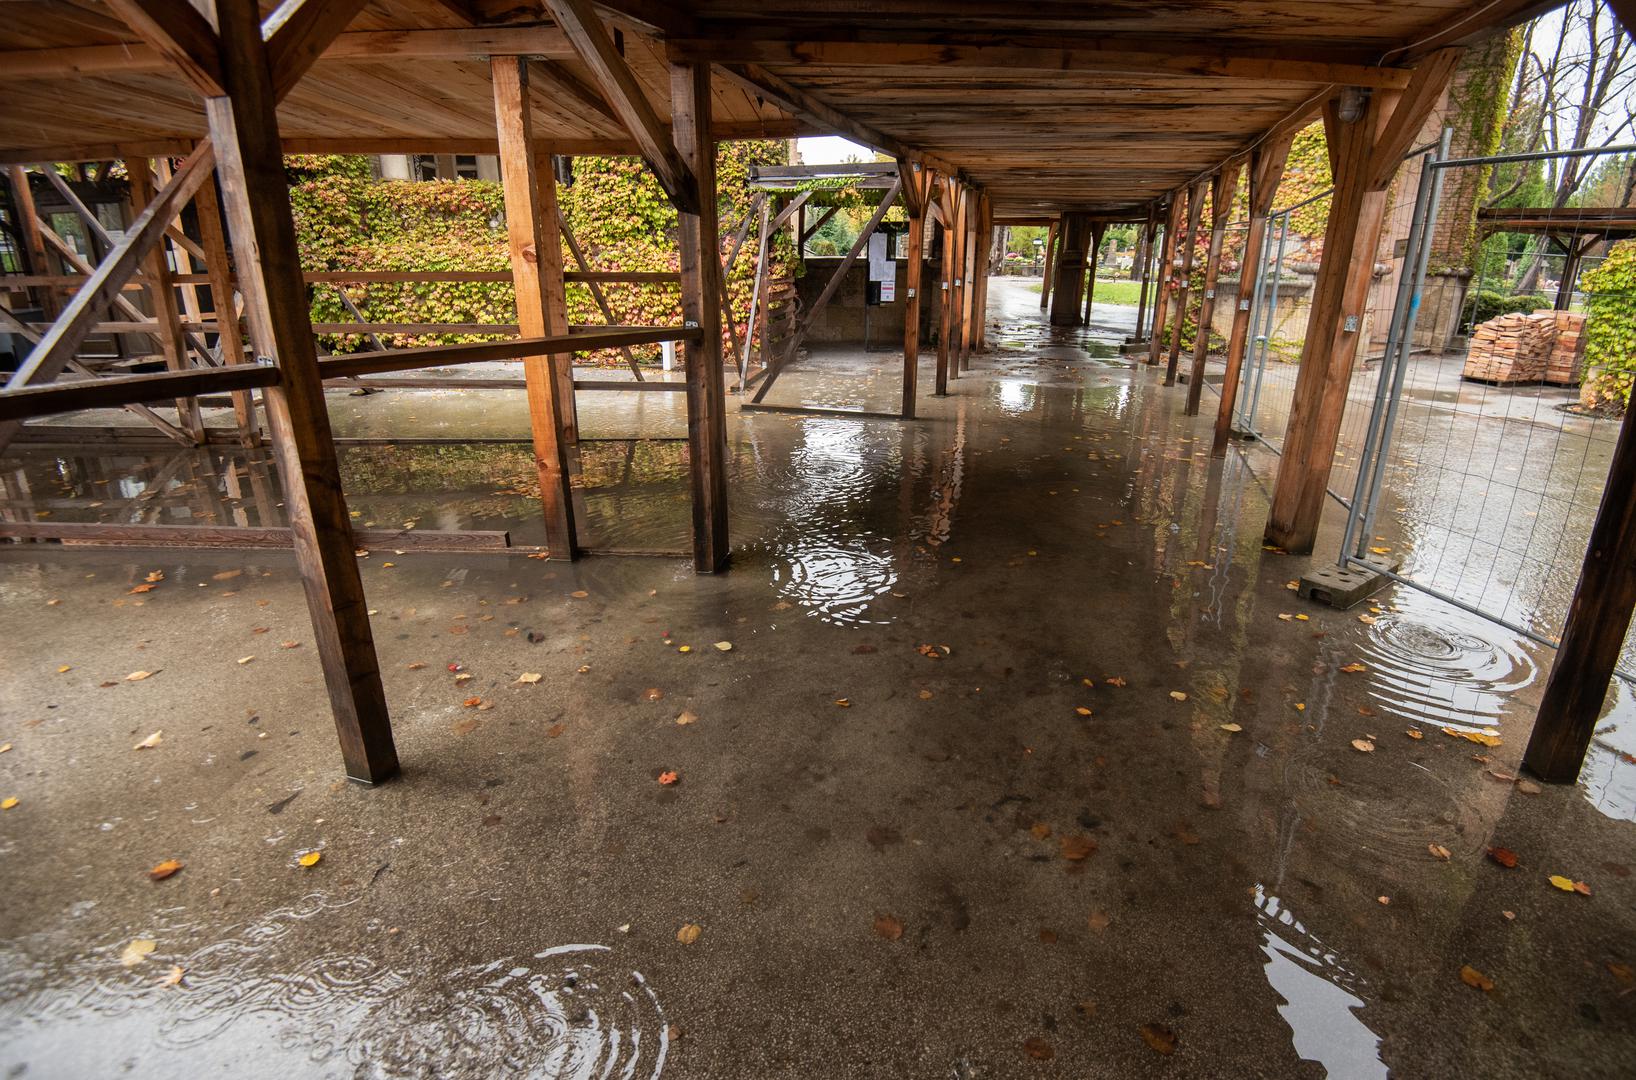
[179, 35]
[244, 127]
[1598, 618]
[1092, 55]
[1149, 233]
[949, 192]
[297, 37]
[28, 223]
[77, 533]
[162, 302]
[762, 83]
[229, 338]
[588, 339]
[1053, 234]
[619, 86]
[1167, 276]
[1266, 170]
[565, 84]
[699, 238]
[536, 268]
[1099, 229]
[103, 286]
[1184, 276]
[1425, 90]
[1223, 190]
[911, 298]
[597, 294]
[359, 46]
[114, 391]
[1068, 290]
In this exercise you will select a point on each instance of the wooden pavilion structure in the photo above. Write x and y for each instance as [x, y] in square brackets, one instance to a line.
[1080, 113]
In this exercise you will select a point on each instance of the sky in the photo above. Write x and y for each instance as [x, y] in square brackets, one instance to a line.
[832, 150]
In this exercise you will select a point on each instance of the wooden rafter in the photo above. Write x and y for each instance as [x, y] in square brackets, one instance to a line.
[619, 86]
[299, 37]
[179, 35]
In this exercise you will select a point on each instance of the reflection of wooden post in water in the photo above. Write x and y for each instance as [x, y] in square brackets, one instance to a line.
[235, 490]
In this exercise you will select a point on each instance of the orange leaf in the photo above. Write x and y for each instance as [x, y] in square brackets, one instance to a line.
[888, 927]
[165, 869]
[669, 778]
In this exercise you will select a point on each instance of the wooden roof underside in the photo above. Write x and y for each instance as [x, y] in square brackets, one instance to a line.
[1048, 106]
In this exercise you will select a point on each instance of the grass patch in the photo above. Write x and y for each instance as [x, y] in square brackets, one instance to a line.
[1123, 291]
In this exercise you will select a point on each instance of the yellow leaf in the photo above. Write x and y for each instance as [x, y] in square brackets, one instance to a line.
[157, 575]
[150, 742]
[137, 951]
[1303, 618]
[310, 858]
[1082, 710]
[724, 646]
[138, 676]
[844, 703]
[1570, 885]
[174, 978]
[529, 678]
[686, 718]
[1414, 734]
[688, 934]
[1363, 746]
[1381, 550]
[8, 802]
[1353, 669]
[1231, 727]
[65, 667]
[1300, 706]
[246, 659]
[1177, 695]
[684, 648]
[1475, 979]
[4, 747]
[1438, 851]
[165, 869]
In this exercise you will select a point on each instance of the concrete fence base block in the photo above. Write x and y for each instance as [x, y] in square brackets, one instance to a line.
[1342, 587]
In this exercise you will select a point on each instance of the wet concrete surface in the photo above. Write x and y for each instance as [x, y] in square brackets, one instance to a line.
[958, 802]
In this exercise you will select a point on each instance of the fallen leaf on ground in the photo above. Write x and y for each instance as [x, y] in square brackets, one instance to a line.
[1528, 787]
[143, 588]
[1159, 1037]
[1232, 727]
[226, 575]
[150, 742]
[165, 869]
[724, 646]
[289, 644]
[1504, 856]
[310, 858]
[686, 718]
[688, 934]
[845, 703]
[529, 678]
[174, 978]
[1115, 681]
[1570, 885]
[1381, 550]
[1177, 695]
[652, 693]
[1414, 733]
[1353, 669]
[1475, 979]
[1040, 830]
[137, 951]
[138, 676]
[1438, 851]
[1076, 848]
[888, 927]
[1363, 746]
[1038, 1049]
[1082, 710]
[579, 594]
[8, 802]
[472, 702]
[669, 778]
[1098, 921]
[4, 747]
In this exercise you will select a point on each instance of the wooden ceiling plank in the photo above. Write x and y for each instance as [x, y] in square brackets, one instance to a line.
[179, 35]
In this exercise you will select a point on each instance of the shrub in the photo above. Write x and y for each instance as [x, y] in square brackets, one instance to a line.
[1485, 304]
[1610, 329]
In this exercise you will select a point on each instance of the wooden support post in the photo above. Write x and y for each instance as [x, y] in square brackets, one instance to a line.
[1366, 151]
[244, 129]
[1167, 276]
[911, 289]
[28, 223]
[985, 256]
[1051, 234]
[969, 268]
[1594, 634]
[1069, 288]
[695, 147]
[945, 312]
[162, 302]
[1265, 170]
[229, 339]
[1150, 232]
[536, 269]
[1184, 281]
[1223, 190]
[1098, 231]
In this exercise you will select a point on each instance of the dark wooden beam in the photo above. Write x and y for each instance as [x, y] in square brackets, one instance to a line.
[914, 265]
[1222, 192]
[1184, 275]
[244, 128]
[1594, 634]
[114, 391]
[1167, 276]
[699, 238]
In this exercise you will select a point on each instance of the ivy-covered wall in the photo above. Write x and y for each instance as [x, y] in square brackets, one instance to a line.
[347, 220]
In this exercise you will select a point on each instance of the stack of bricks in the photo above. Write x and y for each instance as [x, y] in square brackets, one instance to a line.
[1567, 361]
[1512, 348]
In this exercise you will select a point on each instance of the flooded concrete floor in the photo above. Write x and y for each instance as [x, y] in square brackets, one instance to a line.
[958, 802]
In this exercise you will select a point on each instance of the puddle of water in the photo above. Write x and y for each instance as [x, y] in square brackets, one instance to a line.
[1434, 664]
[265, 993]
[1320, 1005]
